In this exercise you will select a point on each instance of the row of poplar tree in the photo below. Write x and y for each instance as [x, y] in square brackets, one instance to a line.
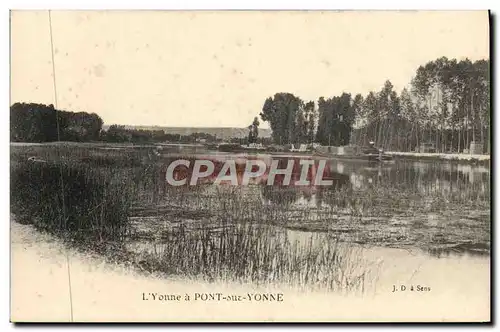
[447, 105]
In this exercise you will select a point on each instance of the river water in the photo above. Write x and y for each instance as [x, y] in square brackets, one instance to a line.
[424, 225]
[438, 207]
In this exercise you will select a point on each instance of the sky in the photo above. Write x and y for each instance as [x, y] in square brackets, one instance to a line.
[215, 69]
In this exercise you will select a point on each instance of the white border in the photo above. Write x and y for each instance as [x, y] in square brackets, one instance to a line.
[254, 4]
[186, 5]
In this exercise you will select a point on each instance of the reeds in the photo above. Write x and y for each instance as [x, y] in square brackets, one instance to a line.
[260, 255]
[70, 199]
[220, 233]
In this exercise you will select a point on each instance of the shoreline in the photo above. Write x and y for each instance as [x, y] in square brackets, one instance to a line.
[483, 159]
[190, 149]
[104, 292]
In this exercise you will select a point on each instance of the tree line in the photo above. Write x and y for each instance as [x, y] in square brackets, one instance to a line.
[121, 134]
[291, 119]
[37, 123]
[447, 105]
[31, 122]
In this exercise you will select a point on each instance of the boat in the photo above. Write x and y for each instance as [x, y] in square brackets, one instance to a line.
[238, 148]
[383, 158]
[373, 155]
[368, 157]
[370, 154]
[229, 147]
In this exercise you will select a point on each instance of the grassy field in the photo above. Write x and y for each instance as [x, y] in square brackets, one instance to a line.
[115, 201]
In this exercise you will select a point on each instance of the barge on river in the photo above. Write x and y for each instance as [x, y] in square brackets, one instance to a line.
[365, 157]
[370, 154]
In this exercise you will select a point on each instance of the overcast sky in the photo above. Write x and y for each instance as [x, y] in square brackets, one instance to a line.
[217, 68]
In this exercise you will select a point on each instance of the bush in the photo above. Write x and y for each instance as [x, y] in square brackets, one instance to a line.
[72, 200]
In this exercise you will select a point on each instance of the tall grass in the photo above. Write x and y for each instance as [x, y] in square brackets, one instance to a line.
[87, 196]
[215, 232]
[72, 200]
[259, 255]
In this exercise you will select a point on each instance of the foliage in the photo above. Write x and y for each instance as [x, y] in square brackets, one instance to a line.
[447, 105]
[30, 122]
[76, 201]
[253, 131]
[291, 119]
[336, 117]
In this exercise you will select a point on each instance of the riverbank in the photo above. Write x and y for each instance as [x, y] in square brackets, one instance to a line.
[463, 158]
[460, 157]
[50, 282]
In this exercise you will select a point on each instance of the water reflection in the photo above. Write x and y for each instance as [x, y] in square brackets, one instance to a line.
[429, 205]
[462, 249]
[446, 180]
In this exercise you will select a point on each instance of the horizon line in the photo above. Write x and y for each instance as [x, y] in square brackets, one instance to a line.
[173, 126]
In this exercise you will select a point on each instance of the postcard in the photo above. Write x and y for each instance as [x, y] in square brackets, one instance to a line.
[250, 166]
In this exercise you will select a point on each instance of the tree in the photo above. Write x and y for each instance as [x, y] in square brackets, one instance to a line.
[310, 120]
[448, 104]
[336, 119]
[457, 97]
[253, 131]
[281, 112]
[409, 114]
[359, 120]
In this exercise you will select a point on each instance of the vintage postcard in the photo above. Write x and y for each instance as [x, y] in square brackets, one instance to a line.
[250, 166]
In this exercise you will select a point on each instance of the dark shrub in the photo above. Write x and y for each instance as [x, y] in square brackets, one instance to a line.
[70, 199]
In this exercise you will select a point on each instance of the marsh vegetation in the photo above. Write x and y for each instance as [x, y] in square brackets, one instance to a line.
[116, 201]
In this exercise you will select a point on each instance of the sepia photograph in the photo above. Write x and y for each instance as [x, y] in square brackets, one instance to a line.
[250, 166]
